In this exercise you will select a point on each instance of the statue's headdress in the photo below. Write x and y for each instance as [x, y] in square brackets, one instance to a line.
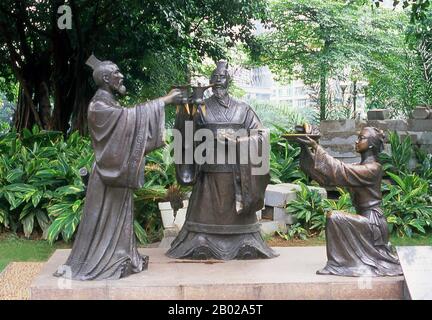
[93, 62]
[99, 68]
[222, 67]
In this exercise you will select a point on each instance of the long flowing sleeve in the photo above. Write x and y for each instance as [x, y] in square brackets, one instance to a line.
[254, 175]
[186, 169]
[333, 172]
[121, 137]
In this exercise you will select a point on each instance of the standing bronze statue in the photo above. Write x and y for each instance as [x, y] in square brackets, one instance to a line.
[357, 244]
[105, 245]
[221, 221]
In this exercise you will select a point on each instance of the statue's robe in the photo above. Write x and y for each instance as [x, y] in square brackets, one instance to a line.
[105, 245]
[221, 221]
[357, 244]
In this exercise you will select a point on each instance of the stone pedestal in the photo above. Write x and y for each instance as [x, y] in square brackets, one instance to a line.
[289, 276]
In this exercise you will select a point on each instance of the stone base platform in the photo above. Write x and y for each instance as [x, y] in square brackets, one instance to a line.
[290, 276]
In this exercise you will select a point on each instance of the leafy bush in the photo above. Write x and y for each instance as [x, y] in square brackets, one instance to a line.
[424, 167]
[39, 181]
[343, 203]
[284, 159]
[309, 210]
[281, 115]
[408, 205]
[400, 156]
[295, 231]
[41, 189]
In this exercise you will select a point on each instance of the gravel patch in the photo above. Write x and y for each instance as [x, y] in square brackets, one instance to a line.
[16, 278]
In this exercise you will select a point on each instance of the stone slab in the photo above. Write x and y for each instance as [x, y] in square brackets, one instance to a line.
[278, 214]
[340, 126]
[269, 228]
[278, 195]
[338, 140]
[391, 124]
[419, 124]
[421, 113]
[289, 276]
[416, 262]
[426, 147]
[378, 114]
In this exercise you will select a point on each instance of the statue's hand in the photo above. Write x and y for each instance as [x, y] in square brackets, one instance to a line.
[223, 136]
[173, 97]
[308, 142]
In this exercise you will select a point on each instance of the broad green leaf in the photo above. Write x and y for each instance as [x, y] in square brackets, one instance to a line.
[76, 205]
[36, 198]
[28, 223]
[68, 190]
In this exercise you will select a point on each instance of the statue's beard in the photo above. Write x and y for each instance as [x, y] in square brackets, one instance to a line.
[221, 95]
[121, 90]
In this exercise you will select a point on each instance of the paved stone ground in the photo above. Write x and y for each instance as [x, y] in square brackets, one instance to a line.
[16, 278]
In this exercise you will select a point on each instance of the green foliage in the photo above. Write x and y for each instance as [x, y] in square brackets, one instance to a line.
[313, 40]
[13, 248]
[284, 159]
[39, 182]
[343, 203]
[295, 231]
[155, 43]
[424, 166]
[41, 189]
[281, 115]
[308, 208]
[318, 40]
[408, 204]
[400, 154]
[419, 8]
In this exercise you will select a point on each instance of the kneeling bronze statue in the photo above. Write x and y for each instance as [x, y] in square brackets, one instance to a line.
[357, 244]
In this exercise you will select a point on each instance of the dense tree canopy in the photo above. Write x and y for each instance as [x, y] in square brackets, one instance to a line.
[317, 40]
[141, 36]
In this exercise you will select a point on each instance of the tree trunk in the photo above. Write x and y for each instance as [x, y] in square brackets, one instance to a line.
[82, 98]
[322, 94]
[323, 79]
[62, 80]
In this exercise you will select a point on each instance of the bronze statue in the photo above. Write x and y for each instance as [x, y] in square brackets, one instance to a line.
[221, 220]
[357, 244]
[105, 245]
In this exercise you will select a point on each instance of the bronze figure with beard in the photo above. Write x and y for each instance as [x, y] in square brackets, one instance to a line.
[105, 245]
[221, 221]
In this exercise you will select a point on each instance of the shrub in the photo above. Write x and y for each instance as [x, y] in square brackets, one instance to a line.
[401, 152]
[343, 203]
[41, 189]
[284, 159]
[408, 205]
[281, 115]
[309, 210]
[38, 171]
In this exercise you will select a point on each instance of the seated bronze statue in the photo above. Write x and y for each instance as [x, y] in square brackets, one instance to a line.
[357, 244]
